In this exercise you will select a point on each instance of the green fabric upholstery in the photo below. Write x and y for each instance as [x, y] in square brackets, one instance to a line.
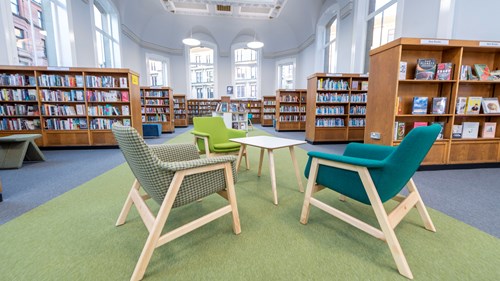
[218, 134]
[154, 167]
[390, 167]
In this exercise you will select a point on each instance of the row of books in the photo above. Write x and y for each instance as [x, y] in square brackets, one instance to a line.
[58, 95]
[17, 124]
[62, 110]
[357, 109]
[55, 80]
[157, 118]
[106, 81]
[355, 85]
[18, 95]
[421, 105]
[292, 108]
[66, 124]
[289, 98]
[156, 94]
[156, 110]
[107, 96]
[106, 124]
[269, 102]
[292, 118]
[330, 122]
[332, 97]
[357, 122]
[481, 72]
[473, 105]
[155, 102]
[358, 97]
[108, 110]
[428, 69]
[330, 110]
[466, 130]
[19, 109]
[17, 80]
[332, 84]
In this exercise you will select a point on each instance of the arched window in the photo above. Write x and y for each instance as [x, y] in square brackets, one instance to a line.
[381, 25]
[331, 46]
[106, 34]
[246, 71]
[201, 72]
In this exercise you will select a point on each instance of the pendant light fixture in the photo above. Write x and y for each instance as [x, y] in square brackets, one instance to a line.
[255, 44]
[190, 41]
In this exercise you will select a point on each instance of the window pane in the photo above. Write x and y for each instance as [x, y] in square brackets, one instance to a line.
[14, 6]
[97, 17]
[245, 70]
[389, 24]
[202, 70]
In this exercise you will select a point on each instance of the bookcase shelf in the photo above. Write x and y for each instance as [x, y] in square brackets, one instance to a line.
[268, 111]
[68, 106]
[291, 110]
[336, 107]
[390, 94]
[201, 107]
[180, 111]
[157, 107]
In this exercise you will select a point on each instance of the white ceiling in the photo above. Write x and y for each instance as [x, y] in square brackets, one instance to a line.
[259, 9]
[153, 26]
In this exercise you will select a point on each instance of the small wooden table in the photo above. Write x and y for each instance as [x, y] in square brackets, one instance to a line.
[14, 149]
[270, 143]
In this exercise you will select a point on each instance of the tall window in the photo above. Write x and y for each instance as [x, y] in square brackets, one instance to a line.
[381, 24]
[107, 35]
[157, 71]
[246, 69]
[20, 38]
[201, 69]
[331, 46]
[286, 74]
[14, 6]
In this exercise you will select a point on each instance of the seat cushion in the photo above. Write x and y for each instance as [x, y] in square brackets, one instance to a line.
[226, 146]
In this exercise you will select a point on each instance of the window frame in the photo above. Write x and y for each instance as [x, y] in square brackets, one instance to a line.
[165, 65]
[283, 62]
[194, 90]
[254, 70]
[108, 44]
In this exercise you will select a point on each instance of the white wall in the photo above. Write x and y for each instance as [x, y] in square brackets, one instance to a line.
[305, 66]
[477, 20]
[420, 18]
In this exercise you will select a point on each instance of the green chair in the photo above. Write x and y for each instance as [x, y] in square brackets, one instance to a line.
[173, 175]
[373, 174]
[212, 137]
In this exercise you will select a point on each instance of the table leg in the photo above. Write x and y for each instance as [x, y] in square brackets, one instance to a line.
[260, 161]
[246, 158]
[296, 167]
[273, 176]
[240, 155]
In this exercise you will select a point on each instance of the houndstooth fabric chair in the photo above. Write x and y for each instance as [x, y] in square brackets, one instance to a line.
[173, 175]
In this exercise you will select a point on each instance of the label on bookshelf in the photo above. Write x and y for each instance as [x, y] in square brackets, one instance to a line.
[489, 44]
[334, 74]
[363, 75]
[434, 42]
[57, 68]
[135, 79]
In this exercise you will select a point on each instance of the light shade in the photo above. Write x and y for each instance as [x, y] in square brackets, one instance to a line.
[255, 45]
[190, 41]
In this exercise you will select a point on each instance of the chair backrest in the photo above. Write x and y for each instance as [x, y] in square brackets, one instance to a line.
[405, 160]
[144, 165]
[212, 125]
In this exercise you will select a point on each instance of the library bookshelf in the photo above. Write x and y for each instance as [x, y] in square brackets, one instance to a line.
[268, 111]
[336, 107]
[68, 106]
[201, 107]
[291, 110]
[157, 105]
[391, 96]
[253, 106]
[180, 110]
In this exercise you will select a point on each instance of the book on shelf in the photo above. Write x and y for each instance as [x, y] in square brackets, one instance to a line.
[420, 105]
[79, 80]
[464, 70]
[126, 122]
[456, 131]
[399, 130]
[399, 105]
[419, 124]
[443, 71]
[355, 85]
[473, 105]
[426, 69]
[125, 110]
[80, 109]
[495, 75]
[439, 105]
[125, 96]
[223, 107]
[461, 103]
[490, 105]
[440, 135]
[470, 130]
[482, 71]
[489, 129]
[403, 66]
[123, 82]
[364, 85]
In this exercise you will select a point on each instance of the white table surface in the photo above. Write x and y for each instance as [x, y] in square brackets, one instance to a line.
[267, 142]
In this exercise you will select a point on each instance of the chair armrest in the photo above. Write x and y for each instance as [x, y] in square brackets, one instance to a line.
[233, 133]
[185, 165]
[175, 152]
[197, 133]
[368, 163]
[368, 151]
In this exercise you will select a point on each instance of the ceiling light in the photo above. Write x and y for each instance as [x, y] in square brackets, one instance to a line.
[255, 44]
[190, 41]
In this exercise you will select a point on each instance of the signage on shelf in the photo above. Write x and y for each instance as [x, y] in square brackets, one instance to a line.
[489, 44]
[434, 41]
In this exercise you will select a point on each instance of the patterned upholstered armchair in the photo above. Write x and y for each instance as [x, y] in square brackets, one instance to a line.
[173, 175]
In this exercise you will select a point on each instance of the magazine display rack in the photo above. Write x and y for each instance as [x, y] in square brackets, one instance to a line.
[68, 106]
[336, 107]
[393, 89]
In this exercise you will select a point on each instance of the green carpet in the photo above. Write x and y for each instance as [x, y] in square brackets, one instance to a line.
[73, 237]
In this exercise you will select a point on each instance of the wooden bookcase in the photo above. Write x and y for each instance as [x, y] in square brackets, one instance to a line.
[157, 107]
[68, 106]
[336, 107]
[268, 111]
[252, 106]
[388, 93]
[234, 119]
[201, 107]
[291, 110]
[180, 111]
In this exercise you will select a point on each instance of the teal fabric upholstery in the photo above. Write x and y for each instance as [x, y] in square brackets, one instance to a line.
[154, 167]
[218, 134]
[390, 167]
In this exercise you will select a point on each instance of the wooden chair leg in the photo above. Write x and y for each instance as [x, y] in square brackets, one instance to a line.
[128, 204]
[154, 234]
[231, 194]
[421, 207]
[383, 220]
[310, 188]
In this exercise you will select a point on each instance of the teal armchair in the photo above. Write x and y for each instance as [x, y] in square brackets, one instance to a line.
[173, 175]
[374, 174]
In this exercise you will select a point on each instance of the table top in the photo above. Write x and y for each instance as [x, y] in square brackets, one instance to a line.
[267, 142]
